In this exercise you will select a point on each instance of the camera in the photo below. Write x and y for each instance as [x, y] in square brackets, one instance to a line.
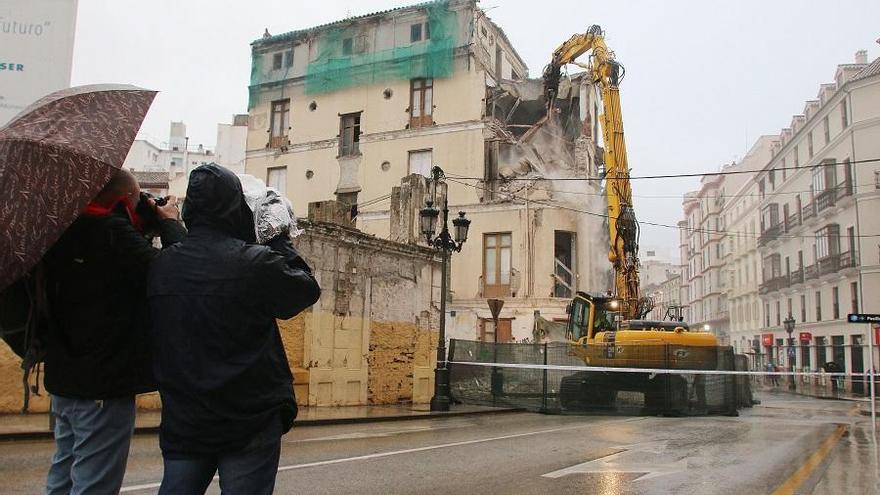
[148, 215]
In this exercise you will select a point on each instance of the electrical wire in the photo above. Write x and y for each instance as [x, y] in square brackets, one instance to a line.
[678, 176]
[643, 222]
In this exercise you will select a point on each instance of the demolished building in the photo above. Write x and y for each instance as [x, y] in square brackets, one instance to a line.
[360, 109]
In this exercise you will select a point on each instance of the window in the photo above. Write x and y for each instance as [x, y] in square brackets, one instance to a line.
[767, 315]
[818, 306]
[350, 134]
[844, 118]
[825, 130]
[824, 176]
[797, 158]
[288, 59]
[487, 330]
[280, 123]
[803, 308]
[421, 102]
[810, 144]
[276, 60]
[277, 177]
[769, 217]
[789, 307]
[783, 170]
[420, 162]
[564, 272]
[496, 264]
[416, 30]
[835, 304]
[347, 44]
[827, 241]
[838, 351]
[854, 296]
[821, 351]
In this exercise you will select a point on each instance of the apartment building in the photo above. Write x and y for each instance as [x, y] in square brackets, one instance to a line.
[352, 109]
[819, 240]
[741, 216]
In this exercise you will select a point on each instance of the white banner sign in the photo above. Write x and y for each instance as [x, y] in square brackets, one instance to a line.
[36, 51]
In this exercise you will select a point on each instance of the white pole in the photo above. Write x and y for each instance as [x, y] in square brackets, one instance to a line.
[871, 376]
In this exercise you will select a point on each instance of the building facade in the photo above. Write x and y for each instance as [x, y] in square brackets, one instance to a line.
[818, 243]
[347, 110]
[176, 157]
[798, 241]
[741, 214]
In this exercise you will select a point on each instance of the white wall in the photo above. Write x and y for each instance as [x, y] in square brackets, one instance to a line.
[36, 51]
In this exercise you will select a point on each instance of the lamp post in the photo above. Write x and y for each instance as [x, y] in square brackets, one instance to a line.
[789, 328]
[446, 243]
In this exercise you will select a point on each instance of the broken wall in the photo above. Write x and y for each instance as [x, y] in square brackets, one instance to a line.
[371, 337]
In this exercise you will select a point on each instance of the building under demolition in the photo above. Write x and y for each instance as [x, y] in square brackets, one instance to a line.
[359, 110]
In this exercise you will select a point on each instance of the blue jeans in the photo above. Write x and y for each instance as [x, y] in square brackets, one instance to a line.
[91, 445]
[251, 470]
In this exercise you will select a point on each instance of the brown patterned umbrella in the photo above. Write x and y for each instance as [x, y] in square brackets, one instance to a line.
[55, 156]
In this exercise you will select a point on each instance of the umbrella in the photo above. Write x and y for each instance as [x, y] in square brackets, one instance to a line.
[55, 156]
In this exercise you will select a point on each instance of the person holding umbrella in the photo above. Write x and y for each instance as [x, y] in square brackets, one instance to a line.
[98, 356]
[73, 265]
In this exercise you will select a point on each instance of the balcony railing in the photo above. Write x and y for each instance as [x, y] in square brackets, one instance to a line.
[849, 259]
[829, 264]
[797, 276]
[811, 272]
[792, 221]
[770, 234]
[825, 199]
[844, 189]
[774, 284]
[808, 211]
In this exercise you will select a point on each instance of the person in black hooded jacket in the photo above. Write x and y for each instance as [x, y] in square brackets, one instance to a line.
[226, 386]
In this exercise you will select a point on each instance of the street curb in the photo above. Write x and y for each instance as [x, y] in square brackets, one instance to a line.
[152, 430]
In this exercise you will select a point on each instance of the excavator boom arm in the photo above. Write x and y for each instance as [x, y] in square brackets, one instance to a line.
[622, 225]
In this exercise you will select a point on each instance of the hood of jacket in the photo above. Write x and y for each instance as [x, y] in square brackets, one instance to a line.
[214, 201]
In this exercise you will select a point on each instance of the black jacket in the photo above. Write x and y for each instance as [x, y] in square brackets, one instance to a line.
[96, 278]
[219, 360]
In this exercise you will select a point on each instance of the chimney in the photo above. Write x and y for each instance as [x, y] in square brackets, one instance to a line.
[862, 57]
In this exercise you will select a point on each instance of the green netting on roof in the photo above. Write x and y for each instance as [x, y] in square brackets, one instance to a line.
[332, 70]
[253, 89]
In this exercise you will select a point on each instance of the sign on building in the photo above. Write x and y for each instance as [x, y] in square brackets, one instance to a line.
[36, 51]
[863, 318]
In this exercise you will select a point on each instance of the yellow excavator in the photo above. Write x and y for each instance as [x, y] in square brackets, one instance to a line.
[609, 330]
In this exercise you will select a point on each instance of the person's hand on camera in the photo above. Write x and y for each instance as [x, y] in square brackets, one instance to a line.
[168, 210]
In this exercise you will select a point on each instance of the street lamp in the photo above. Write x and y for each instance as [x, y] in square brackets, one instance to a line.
[789, 328]
[446, 243]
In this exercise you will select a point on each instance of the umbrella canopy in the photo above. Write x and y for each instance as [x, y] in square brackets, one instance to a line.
[55, 156]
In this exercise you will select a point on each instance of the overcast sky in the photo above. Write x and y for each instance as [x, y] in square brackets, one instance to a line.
[703, 78]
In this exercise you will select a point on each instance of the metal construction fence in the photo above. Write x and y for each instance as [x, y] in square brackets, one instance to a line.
[553, 378]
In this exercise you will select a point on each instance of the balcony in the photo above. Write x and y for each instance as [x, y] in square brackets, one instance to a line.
[825, 199]
[849, 259]
[792, 222]
[773, 285]
[278, 142]
[770, 234]
[844, 189]
[797, 276]
[808, 212]
[811, 272]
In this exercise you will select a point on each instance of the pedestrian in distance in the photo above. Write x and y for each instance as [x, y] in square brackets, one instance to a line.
[97, 356]
[226, 386]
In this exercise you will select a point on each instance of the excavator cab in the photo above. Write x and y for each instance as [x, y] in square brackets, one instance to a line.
[589, 315]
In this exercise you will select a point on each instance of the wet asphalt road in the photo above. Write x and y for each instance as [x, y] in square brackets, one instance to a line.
[788, 442]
